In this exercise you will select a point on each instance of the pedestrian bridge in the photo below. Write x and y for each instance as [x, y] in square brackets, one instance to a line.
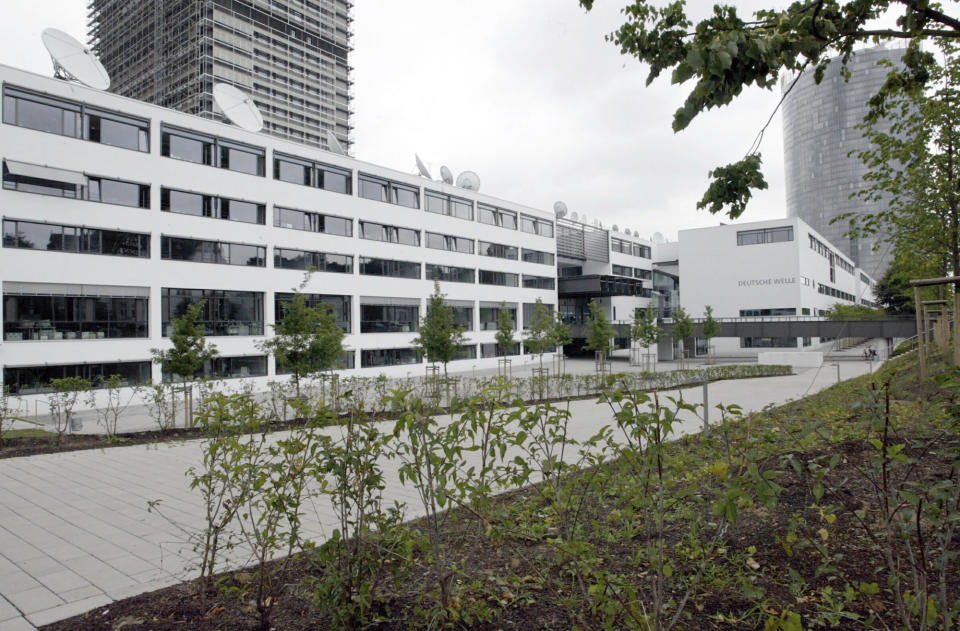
[785, 326]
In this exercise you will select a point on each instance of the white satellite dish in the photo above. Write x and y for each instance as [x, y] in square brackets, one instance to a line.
[469, 181]
[238, 107]
[560, 209]
[658, 237]
[583, 218]
[74, 61]
[424, 171]
[616, 228]
[333, 144]
[574, 216]
[446, 175]
[635, 233]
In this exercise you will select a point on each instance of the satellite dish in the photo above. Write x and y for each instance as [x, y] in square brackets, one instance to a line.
[469, 180]
[616, 228]
[583, 218]
[635, 233]
[238, 107]
[658, 237]
[333, 144]
[446, 175]
[424, 171]
[560, 209]
[74, 61]
[574, 216]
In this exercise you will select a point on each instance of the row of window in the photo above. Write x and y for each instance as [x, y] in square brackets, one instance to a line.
[821, 248]
[32, 178]
[66, 118]
[765, 235]
[75, 239]
[827, 290]
[782, 311]
[24, 380]
[628, 247]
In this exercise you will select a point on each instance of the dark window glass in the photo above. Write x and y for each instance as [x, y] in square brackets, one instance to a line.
[189, 147]
[642, 273]
[198, 251]
[768, 342]
[463, 317]
[765, 235]
[498, 250]
[539, 282]
[387, 267]
[370, 358]
[451, 274]
[505, 279]
[490, 315]
[409, 197]
[26, 184]
[117, 130]
[242, 158]
[493, 350]
[247, 212]
[335, 180]
[38, 236]
[312, 222]
[117, 192]
[338, 305]
[224, 312]
[373, 189]
[229, 368]
[535, 256]
[47, 317]
[186, 203]
[41, 113]
[386, 191]
[36, 379]
[286, 258]
[288, 170]
[389, 318]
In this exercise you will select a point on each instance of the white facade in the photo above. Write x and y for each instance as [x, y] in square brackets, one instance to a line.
[37, 270]
[769, 268]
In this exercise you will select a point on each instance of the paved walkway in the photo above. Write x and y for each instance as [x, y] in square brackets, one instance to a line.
[75, 533]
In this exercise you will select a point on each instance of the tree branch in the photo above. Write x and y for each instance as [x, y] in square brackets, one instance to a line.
[933, 14]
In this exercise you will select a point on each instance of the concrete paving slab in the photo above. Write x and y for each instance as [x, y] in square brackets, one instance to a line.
[34, 599]
[68, 610]
[7, 610]
[19, 624]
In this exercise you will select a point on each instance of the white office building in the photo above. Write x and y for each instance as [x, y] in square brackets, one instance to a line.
[765, 269]
[117, 214]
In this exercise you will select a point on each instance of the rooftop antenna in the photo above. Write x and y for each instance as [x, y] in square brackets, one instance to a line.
[446, 175]
[560, 209]
[72, 61]
[238, 107]
[424, 171]
[469, 180]
[333, 143]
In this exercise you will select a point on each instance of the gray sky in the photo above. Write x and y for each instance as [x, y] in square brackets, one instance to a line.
[527, 94]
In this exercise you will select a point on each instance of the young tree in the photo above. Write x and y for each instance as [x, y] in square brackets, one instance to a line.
[505, 326]
[306, 339]
[644, 329]
[599, 330]
[66, 393]
[538, 337]
[7, 412]
[709, 328]
[189, 351]
[724, 54]
[682, 328]
[108, 416]
[440, 336]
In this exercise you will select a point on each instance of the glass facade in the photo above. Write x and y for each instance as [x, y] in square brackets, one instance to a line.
[390, 234]
[200, 205]
[371, 358]
[224, 312]
[383, 190]
[287, 258]
[450, 243]
[765, 235]
[222, 252]
[74, 239]
[94, 189]
[539, 282]
[444, 204]
[490, 314]
[309, 173]
[505, 279]
[389, 318]
[312, 222]
[73, 317]
[533, 225]
[228, 368]
[498, 250]
[536, 256]
[386, 267]
[191, 146]
[497, 216]
[36, 379]
[451, 274]
[338, 305]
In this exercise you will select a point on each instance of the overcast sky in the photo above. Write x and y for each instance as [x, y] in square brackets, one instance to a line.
[527, 94]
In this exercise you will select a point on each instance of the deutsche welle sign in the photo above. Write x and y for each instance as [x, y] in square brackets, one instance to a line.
[767, 281]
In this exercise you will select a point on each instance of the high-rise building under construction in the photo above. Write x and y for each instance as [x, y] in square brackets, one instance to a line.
[291, 56]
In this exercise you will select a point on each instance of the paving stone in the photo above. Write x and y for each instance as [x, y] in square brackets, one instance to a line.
[18, 624]
[63, 581]
[68, 610]
[34, 600]
[80, 593]
[7, 610]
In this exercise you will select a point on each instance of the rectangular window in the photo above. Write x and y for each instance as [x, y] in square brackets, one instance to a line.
[377, 357]
[492, 349]
[36, 379]
[72, 317]
[448, 273]
[339, 306]
[199, 148]
[505, 279]
[490, 315]
[642, 251]
[535, 256]
[450, 243]
[539, 282]
[498, 250]
[765, 235]
[383, 190]
[222, 252]
[782, 311]
[101, 189]
[312, 222]
[533, 225]
[199, 205]
[497, 216]
[621, 270]
[229, 368]
[528, 310]
[639, 272]
[60, 238]
[768, 342]
[59, 116]
[387, 267]
[309, 173]
[31, 178]
[287, 258]
[463, 316]
[376, 318]
[443, 204]
[232, 313]
[389, 234]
